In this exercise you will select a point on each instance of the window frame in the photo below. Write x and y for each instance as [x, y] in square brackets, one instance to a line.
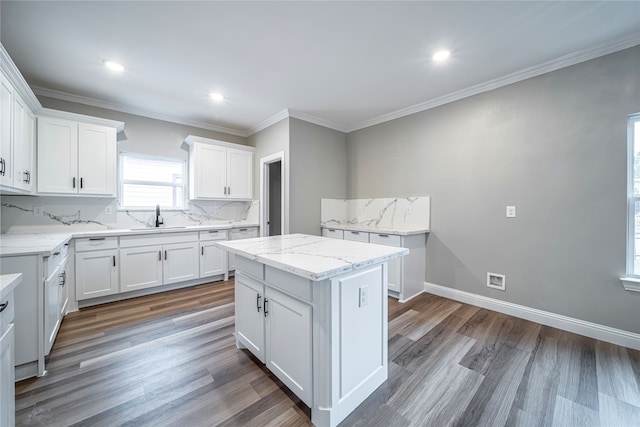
[121, 182]
[632, 280]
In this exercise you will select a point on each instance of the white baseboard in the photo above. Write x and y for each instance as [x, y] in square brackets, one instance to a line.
[581, 327]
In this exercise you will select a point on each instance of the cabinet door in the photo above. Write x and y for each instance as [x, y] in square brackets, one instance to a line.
[140, 267]
[289, 333]
[96, 159]
[6, 134]
[57, 156]
[249, 295]
[180, 262]
[52, 309]
[7, 379]
[239, 174]
[96, 274]
[212, 260]
[23, 140]
[210, 172]
[395, 265]
[63, 291]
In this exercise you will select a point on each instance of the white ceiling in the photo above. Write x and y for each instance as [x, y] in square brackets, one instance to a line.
[342, 64]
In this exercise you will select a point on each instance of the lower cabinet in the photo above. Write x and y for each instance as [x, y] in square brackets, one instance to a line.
[213, 260]
[140, 268]
[96, 273]
[7, 378]
[238, 234]
[277, 329]
[54, 297]
[180, 262]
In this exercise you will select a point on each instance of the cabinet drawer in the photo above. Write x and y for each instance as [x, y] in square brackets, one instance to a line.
[96, 243]
[289, 283]
[385, 239]
[213, 235]
[243, 233]
[157, 239]
[357, 236]
[333, 233]
[247, 266]
[8, 313]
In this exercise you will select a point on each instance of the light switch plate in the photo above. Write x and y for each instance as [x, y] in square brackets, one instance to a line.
[511, 211]
[108, 210]
[38, 211]
[363, 296]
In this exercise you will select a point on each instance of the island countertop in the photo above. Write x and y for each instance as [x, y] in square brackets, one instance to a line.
[312, 257]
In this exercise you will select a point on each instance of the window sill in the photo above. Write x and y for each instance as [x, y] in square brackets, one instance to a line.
[631, 284]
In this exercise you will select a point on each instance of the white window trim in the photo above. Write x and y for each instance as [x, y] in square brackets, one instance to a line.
[185, 189]
[632, 281]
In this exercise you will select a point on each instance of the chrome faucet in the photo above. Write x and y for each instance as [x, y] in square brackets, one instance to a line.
[159, 220]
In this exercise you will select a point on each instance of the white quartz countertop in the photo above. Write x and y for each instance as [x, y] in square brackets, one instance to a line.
[44, 243]
[401, 231]
[8, 283]
[312, 257]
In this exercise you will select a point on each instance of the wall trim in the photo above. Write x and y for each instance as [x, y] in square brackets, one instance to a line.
[267, 122]
[316, 120]
[577, 326]
[624, 42]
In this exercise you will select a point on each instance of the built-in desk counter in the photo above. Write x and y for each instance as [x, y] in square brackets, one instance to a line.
[314, 310]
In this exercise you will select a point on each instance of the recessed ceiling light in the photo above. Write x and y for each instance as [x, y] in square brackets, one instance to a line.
[113, 66]
[441, 55]
[218, 97]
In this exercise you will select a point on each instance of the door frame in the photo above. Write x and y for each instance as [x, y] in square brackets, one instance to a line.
[264, 192]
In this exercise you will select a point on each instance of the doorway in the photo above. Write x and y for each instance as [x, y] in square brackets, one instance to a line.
[272, 195]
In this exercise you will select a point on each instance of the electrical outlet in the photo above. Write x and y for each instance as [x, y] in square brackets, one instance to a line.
[511, 211]
[38, 211]
[496, 281]
[108, 210]
[363, 296]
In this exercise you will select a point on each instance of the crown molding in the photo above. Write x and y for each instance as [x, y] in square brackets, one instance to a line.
[267, 122]
[65, 96]
[17, 81]
[316, 120]
[564, 61]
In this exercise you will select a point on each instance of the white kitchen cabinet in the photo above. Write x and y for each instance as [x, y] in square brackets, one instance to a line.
[96, 272]
[7, 378]
[213, 260]
[52, 318]
[76, 158]
[16, 140]
[219, 170]
[238, 234]
[153, 260]
[395, 265]
[333, 233]
[277, 329]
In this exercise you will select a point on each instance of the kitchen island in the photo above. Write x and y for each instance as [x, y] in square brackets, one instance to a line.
[314, 310]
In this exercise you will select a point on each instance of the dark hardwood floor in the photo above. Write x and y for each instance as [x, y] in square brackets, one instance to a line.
[170, 360]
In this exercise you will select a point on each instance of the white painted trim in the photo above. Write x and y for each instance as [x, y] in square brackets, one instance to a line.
[85, 100]
[624, 42]
[316, 120]
[191, 139]
[267, 122]
[631, 284]
[17, 80]
[577, 326]
[81, 118]
[264, 189]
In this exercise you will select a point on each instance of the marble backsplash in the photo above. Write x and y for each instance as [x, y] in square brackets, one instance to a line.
[21, 214]
[407, 212]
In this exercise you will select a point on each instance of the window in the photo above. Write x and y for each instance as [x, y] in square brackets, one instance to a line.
[632, 282]
[146, 181]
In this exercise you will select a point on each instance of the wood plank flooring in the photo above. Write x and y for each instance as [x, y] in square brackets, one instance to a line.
[170, 360]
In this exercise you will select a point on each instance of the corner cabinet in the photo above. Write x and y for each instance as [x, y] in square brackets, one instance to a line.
[76, 158]
[219, 170]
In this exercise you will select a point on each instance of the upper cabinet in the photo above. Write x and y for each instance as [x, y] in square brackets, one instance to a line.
[17, 133]
[219, 170]
[76, 158]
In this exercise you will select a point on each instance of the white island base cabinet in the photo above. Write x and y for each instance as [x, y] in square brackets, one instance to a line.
[326, 340]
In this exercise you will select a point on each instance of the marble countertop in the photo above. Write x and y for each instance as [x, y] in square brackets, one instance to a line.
[8, 282]
[401, 231]
[312, 257]
[45, 243]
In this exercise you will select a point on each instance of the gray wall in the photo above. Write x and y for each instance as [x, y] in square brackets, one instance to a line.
[554, 146]
[318, 163]
[145, 135]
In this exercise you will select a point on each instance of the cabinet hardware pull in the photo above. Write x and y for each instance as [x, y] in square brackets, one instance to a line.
[355, 232]
[29, 176]
[202, 250]
[165, 255]
[63, 278]
[383, 235]
[56, 253]
[229, 192]
[114, 260]
[81, 185]
[243, 229]
[258, 296]
[4, 306]
[74, 182]
[2, 167]
[97, 238]
[264, 307]
[213, 231]
[331, 230]
[159, 255]
[25, 177]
